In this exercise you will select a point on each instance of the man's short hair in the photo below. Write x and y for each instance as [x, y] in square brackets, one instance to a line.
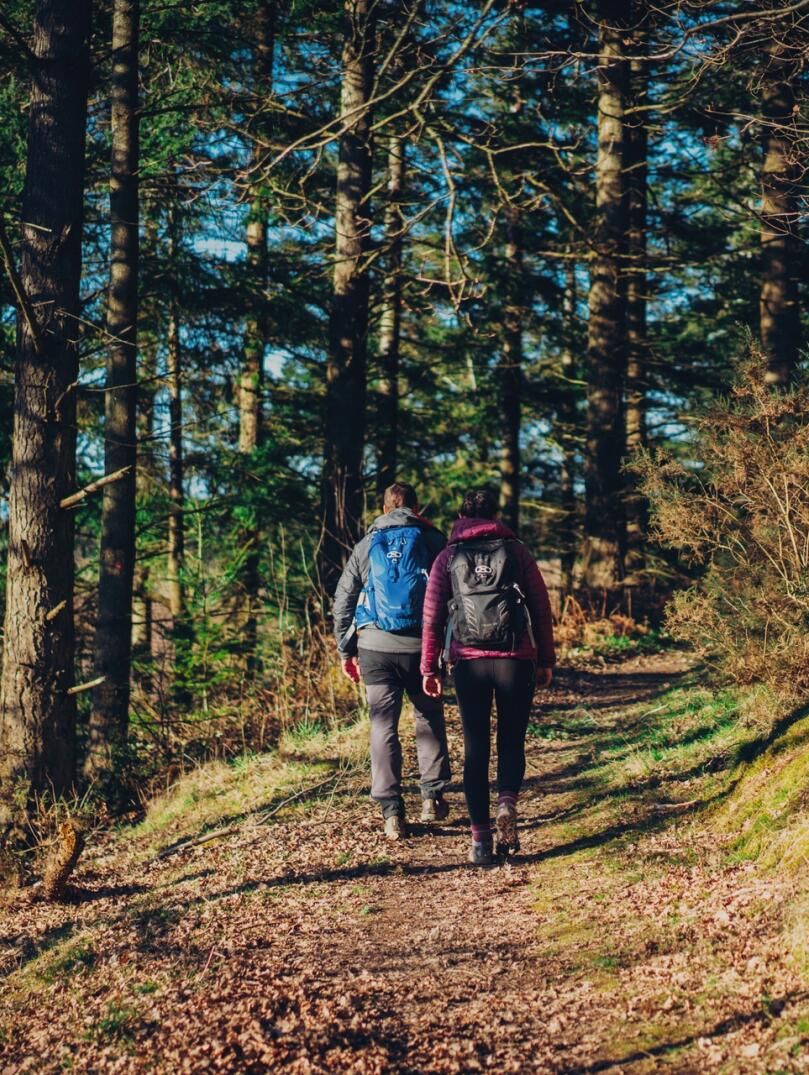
[400, 495]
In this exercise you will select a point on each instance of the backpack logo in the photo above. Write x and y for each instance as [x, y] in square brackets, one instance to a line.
[394, 556]
[484, 573]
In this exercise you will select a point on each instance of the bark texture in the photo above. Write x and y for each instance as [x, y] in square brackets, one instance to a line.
[348, 329]
[255, 337]
[390, 324]
[779, 310]
[568, 425]
[113, 639]
[37, 715]
[176, 547]
[509, 373]
[142, 606]
[636, 296]
[606, 346]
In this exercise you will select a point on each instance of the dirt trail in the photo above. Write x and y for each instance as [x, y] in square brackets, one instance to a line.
[312, 945]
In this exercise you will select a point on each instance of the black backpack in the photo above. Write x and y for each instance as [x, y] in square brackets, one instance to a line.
[487, 609]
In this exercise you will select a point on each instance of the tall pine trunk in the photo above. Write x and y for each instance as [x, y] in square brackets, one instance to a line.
[568, 424]
[779, 311]
[255, 340]
[390, 323]
[37, 714]
[113, 638]
[636, 285]
[176, 546]
[348, 329]
[606, 345]
[142, 605]
[510, 375]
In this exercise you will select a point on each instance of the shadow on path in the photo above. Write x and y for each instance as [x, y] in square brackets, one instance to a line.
[725, 1026]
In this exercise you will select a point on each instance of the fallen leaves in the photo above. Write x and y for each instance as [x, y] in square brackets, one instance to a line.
[316, 947]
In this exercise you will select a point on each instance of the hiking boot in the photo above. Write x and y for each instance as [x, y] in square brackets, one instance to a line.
[436, 809]
[481, 852]
[506, 825]
[395, 827]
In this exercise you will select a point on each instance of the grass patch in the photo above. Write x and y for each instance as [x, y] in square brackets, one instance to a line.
[769, 805]
[307, 729]
[222, 792]
[622, 778]
[68, 959]
[619, 647]
[624, 765]
[733, 754]
[116, 1024]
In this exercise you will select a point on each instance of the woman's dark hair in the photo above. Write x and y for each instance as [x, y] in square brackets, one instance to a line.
[479, 504]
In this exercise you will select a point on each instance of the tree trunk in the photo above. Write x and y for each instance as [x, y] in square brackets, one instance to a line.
[606, 345]
[255, 342]
[142, 610]
[510, 375]
[176, 549]
[568, 421]
[779, 311]
[348, 330]
[637, 346]
[391, 321]
[113, 638]
[37, 715]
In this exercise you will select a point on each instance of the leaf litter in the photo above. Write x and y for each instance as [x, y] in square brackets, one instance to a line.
[316, 946]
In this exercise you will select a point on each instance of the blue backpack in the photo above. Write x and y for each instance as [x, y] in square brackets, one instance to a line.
[398, 566]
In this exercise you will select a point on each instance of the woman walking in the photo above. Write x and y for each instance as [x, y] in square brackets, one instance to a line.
[486, 612]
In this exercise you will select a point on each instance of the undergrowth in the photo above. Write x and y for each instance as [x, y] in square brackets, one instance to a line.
[742, 522]
[228, 791]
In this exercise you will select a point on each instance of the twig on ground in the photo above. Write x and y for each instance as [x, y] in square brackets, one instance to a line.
[261, 819]
[265, 815]
[672, 808]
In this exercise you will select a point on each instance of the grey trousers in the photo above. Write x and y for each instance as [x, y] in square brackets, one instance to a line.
[388, 677]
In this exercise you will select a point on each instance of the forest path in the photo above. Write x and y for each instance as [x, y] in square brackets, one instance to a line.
[620, 939]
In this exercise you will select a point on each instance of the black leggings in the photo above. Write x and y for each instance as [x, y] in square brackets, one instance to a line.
[512, 683]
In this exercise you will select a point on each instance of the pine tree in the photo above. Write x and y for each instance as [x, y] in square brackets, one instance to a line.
[390, 321]
[606, 347]
[113, 638]
[636, 168]
[348, 327]
[37, 704]
[779, 315]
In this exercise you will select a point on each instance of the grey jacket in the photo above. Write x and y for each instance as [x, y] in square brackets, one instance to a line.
[354, 578]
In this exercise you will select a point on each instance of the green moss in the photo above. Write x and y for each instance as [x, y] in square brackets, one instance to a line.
[117, 1023]
[768, 805]
[64, 960]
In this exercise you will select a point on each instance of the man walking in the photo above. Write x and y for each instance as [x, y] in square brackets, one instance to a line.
[377, 618]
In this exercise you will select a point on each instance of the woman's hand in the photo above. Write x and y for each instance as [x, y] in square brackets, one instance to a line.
[433, 687]
[544, 677]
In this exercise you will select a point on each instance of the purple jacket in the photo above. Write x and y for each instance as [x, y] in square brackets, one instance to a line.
[439, 592]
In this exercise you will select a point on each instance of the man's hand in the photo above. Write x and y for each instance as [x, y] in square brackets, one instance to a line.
[351, 669]
[544, 677]
[433, 687]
